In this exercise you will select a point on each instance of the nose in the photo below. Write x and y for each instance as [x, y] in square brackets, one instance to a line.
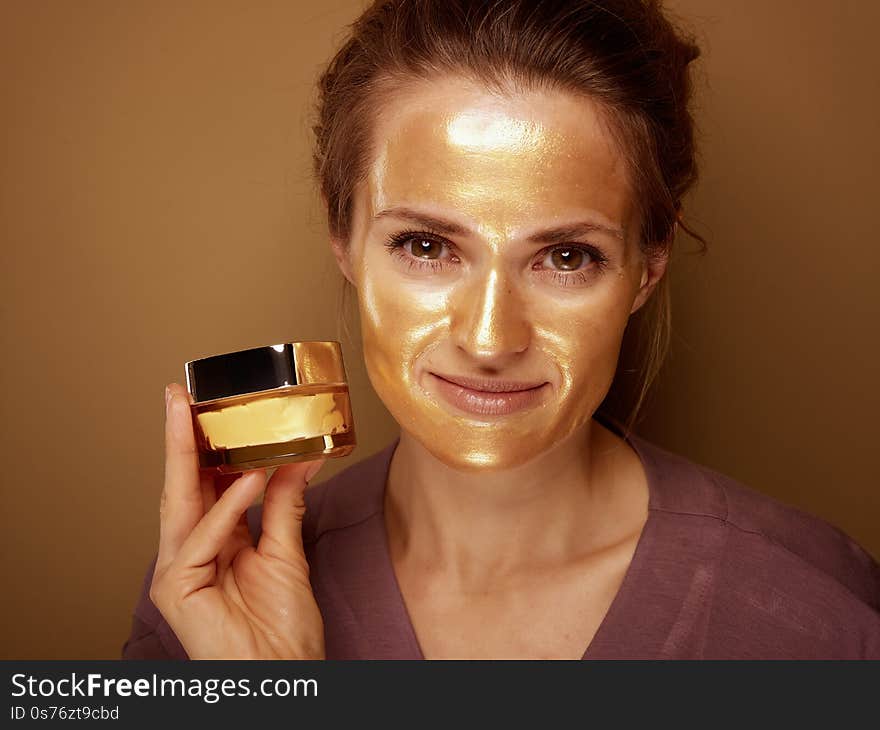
[490, 320]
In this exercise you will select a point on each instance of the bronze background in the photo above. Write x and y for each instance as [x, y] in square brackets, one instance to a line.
[156, 206]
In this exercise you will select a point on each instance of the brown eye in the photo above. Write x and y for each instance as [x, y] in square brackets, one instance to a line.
[567, 259]
[425, 248]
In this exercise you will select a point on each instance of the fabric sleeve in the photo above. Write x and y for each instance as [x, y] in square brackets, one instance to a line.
[151, 637]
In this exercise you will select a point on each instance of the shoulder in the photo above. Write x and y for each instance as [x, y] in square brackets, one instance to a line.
[349, 497]
[760, 531]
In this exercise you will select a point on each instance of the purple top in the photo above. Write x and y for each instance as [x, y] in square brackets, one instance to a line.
[720, 572]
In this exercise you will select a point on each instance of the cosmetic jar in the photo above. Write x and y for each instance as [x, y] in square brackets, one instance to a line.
[270, 405]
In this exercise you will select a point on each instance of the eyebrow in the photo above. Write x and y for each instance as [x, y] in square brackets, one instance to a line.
[560, 234]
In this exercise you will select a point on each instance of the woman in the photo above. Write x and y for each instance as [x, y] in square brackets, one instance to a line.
[503, 183]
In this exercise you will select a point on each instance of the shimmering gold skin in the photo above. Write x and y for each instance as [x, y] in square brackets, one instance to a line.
[502, 167]
[269, 420]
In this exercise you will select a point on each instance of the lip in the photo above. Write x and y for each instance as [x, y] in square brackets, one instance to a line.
[485, 385]
[505, 398]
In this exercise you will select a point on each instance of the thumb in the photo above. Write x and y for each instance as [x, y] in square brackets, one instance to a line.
[284, 507]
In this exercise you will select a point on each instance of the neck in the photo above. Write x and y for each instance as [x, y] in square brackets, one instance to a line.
[476, 528]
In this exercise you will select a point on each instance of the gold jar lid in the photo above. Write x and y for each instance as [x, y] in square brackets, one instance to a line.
[265, 368]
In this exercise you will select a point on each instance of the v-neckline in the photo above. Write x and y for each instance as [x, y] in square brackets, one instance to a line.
[623, 603]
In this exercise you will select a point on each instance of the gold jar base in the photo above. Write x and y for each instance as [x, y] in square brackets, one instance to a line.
[266, 455]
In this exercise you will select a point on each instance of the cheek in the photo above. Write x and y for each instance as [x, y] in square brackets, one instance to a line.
[584, 342]
[399, 321]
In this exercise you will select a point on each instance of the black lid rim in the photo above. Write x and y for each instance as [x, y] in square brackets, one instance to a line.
[313, 362]
[261, 347]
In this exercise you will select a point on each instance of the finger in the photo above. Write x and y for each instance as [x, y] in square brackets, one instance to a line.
[224, 481]
[239, 538]
[183, 503]
[211, 533]
[284, 508]
[209, 491]
[213, 484]
[241, 534]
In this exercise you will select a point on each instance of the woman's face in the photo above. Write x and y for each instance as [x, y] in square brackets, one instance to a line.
[495, 238]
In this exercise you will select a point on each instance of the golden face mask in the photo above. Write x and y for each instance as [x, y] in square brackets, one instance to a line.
[496, 191]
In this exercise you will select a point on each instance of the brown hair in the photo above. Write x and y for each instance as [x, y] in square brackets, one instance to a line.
[626, 55]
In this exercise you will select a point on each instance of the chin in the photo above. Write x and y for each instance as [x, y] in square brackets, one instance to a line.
[471, 457]
[470, 446]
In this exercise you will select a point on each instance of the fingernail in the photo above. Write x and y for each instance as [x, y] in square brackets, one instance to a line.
[314, 469]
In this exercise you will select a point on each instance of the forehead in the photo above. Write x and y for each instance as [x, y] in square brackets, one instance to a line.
[499, 161]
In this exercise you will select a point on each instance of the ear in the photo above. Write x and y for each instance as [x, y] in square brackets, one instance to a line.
[340, 253]
[653, 269]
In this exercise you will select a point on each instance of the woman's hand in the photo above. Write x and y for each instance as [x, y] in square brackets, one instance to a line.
[222, 596]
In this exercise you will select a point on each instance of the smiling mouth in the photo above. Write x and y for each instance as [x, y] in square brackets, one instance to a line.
[492, 398]
[488, 385]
